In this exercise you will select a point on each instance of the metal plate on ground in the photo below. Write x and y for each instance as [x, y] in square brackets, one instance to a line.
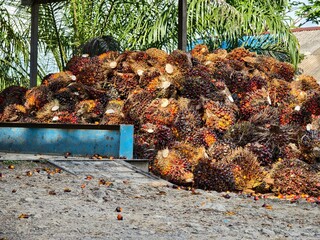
[113, 169]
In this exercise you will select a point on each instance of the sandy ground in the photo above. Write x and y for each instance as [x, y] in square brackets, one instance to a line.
[47, 205]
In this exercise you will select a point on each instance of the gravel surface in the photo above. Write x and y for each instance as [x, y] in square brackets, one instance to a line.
[52, 205]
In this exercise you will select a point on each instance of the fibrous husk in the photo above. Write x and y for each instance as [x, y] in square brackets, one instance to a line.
[89, 111]
[210, 175]
[36, 98]
[177, 163]
[162, 111]
[246, 168]
[240, 133]
[88, 70]
[200, 83]
[219, 151]
[200, 52]
[59, 80]
[254, 103]
[293, 176]
[12, 95]
[188, 119]
[217, 116]
[158, 58]
[48, 111]
[279, 92]
[136, 103]
[113, 113]
[13, 113]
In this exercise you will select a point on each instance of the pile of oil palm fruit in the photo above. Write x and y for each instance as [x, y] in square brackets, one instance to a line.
[224, 121]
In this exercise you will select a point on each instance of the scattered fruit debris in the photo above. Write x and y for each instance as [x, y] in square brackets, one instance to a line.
[120, 217]
[118, 209]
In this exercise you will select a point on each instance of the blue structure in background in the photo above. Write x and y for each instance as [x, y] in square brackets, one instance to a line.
[87, 140]
[252, 42]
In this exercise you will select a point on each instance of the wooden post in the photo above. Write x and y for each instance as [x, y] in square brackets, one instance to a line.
[182, 25]
[34, 44]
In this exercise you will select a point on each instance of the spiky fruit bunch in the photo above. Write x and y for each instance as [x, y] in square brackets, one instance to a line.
[158, 58]
[157, 137]
[125, 83]
[89, 111]
[200, 83]
[292, 151]
[162, 87]
[276, 137]
[294, 114]
[144, 147]
[292, 176]
[79, 91]
[48, 111]
[247, 168]
[36, 97]
[169, 165]
[262, 152]
[161, 112]
[210, 175]
[304, 83]
[59, 80]
[65, 117]
[13, 113]
[100, 96]
[268, 116]
[177, 163]
[147, 76]
[236, 81]
[283, 70]
[135, 105]
[265, 64]
[309, 144]
[77, 64]
[12, 95]
[240, 53]
[200, 52]
[217, 116]
[88, 70]
[188, 119]
[113, 113]
[137, 62]
[312, 104]
[279, 92]
[164, 137]
[254, 103]
[220, 150]
[67, 99]
[240, 133]
[255, 83]
[180, 59]
[203, 137]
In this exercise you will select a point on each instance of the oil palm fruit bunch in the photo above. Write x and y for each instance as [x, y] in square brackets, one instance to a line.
[215, 120]
[293, 176]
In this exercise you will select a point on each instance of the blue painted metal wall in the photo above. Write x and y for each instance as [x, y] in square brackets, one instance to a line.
[116, 141]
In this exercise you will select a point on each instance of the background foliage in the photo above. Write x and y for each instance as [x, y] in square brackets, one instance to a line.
[65, 26]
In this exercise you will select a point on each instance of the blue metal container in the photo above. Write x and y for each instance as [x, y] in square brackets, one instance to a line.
[79, 140]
